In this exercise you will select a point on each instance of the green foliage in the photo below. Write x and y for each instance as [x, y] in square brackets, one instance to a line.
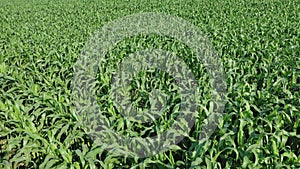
[257, 41]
